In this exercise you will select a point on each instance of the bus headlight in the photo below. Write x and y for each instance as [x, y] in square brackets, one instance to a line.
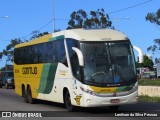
[89, 100]
[88, 91]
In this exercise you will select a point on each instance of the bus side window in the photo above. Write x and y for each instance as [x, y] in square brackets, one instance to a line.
[50, 52]
[61, 54]
[39, 53]
[73, 58]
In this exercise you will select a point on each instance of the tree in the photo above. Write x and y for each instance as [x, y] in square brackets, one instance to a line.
[9, 48]
[155, 19]
[36, 34]
[96, 19]
[8, 52]
[146, 63]
[1, 55]
[56, 30]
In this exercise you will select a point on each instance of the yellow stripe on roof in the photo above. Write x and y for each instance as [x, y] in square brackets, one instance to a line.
[42, 39]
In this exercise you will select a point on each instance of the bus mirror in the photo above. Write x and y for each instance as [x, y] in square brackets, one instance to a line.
[140, 53]
[80, 56]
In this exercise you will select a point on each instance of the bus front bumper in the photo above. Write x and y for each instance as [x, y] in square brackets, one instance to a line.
[95, 101]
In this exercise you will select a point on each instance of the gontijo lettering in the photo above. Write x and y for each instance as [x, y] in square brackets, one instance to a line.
[29, 70]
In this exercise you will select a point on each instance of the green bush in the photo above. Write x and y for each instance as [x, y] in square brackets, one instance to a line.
[146, 98]
[149, 82]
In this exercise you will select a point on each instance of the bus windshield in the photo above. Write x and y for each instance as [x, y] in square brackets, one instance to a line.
[108, 63]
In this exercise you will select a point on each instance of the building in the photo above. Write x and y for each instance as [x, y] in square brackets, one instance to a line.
[158, 70]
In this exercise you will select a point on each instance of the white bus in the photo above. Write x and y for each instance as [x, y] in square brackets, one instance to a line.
[78, 67]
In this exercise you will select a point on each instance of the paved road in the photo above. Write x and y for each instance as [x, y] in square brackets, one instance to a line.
[9, 101]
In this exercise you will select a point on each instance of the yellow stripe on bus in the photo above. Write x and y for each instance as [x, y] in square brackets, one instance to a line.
[103, 90]
[42, 39]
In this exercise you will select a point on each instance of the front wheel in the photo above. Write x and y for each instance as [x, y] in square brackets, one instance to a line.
[68, 103]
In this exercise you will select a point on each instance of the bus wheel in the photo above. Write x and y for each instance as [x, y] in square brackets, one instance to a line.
[113, 108]
[24, 94]
[6, 85]
[29, 96]
[68, 103]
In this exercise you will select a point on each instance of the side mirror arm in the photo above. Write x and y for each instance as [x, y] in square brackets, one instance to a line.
[80, 56]
[140, 53]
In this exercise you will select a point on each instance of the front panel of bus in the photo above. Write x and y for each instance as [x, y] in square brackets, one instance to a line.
[108, 76]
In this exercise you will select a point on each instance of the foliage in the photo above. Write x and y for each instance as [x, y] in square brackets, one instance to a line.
[146, 63]
[1, 55]
[3, 69]
[8, 51]
[37, 34]
[146, 98]
[149, 82]
[155, 19]
[96, 19]
[9, 68]
[57, 30]
[9, 48]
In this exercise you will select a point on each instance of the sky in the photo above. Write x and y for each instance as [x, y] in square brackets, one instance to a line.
[30, 15]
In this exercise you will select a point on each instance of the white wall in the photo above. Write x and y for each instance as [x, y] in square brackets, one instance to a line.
[158, 70]
[152, 91]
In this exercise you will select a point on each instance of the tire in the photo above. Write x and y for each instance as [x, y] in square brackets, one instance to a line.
[29, 96]
[6, 85]
[114, 108]
[68, 103]
[24, 94]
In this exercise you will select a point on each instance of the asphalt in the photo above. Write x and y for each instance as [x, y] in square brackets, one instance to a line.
[13, 103]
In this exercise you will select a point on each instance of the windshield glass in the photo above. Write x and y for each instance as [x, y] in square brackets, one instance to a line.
[108, 62]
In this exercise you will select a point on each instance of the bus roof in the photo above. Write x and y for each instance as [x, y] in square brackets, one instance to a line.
[81, 35]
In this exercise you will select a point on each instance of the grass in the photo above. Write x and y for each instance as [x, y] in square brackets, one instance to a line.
[149, 82]
[146, 98]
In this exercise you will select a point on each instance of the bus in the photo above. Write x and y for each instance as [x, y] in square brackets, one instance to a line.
[78, 67]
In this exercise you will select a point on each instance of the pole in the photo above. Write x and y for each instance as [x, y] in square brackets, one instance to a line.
[53, 15]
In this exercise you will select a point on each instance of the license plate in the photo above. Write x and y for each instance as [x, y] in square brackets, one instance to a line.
[114, 101]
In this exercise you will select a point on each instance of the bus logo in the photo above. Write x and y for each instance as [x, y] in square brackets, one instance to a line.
[78, 98]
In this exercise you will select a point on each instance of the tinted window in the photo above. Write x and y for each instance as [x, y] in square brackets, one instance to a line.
[49, 52]
[60, 50]
[74, 58]
[39, 53]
